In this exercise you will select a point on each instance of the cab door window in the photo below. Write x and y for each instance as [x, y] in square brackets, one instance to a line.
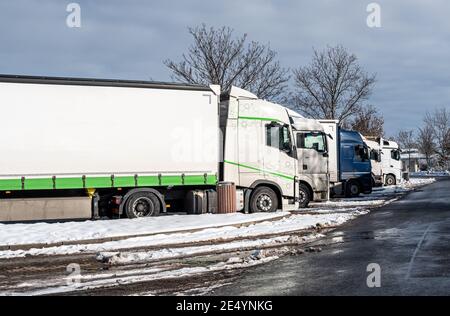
[279, 137]
[395, 154]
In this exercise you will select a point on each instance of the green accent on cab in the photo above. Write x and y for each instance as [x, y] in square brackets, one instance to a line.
[274, 173]
[259, 119]
[105, 182]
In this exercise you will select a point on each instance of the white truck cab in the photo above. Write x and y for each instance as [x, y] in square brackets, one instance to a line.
[312, 154]
[270, 149]
[385, 159]
[391, 162]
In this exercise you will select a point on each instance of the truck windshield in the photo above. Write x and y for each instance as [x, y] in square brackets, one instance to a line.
[312, 140]
[395, 154]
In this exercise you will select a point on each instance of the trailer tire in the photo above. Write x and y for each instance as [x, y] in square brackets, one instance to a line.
[142, 204]
[263, 199]
[352, 189]
[303, 195]
[390, 180]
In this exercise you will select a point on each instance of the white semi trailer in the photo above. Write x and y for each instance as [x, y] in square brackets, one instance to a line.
[82, 148]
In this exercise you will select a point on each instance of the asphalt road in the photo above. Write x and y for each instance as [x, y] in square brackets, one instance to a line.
[409, 240]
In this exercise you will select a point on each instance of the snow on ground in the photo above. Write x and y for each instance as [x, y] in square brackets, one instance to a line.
[407, 185]
[285, 225]
[19, 234]
[444, 173]
[355, 202]
[378, 197]
[104, 280]
[114, 258]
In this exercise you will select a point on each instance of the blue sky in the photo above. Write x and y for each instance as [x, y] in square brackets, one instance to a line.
[410, 53]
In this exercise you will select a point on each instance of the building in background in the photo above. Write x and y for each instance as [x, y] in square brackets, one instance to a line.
[413, 160]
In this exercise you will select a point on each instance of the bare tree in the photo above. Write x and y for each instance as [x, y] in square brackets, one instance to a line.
[425, 141]
[439, 121]
[218, 57]
[369, 122]
[332, 86]
[406, 140]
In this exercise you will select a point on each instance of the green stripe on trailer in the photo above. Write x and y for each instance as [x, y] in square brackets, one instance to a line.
[274, 173]
[104, 182]
[10, 184]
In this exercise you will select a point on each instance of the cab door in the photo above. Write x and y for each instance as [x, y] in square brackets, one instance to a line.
[280, 162]
[312, 153]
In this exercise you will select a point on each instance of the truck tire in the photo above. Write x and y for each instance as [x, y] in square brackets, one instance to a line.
[303, 196]
[263, 199]
[142, 204]
[390, 180]
[352, 189]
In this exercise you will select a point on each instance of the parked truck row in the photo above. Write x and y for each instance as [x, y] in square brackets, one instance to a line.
[83, 148]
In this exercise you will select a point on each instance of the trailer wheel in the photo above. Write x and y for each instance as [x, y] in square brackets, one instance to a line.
[352, 189]
[390, 180]
[142, 204]
[263, 199]
[303, 195]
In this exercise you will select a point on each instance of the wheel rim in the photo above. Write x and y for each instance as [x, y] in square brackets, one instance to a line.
[143, 207]
[264, 202]
[390, 181]
[302, 196]
[354, 189]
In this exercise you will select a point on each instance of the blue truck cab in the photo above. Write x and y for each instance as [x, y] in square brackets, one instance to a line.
[355, 167]
[349, 165]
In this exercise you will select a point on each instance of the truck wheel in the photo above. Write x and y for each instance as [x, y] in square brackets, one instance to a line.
[142, 204]
[352, 189]
[263, 199]
[390, 180]
[303, 196]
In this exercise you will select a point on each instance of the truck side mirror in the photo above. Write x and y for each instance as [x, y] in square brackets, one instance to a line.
[286, 148]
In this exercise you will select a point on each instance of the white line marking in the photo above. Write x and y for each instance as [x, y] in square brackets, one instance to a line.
[408, 275]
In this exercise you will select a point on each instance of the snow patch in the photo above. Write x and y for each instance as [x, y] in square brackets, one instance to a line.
[292, 223]
[19, 234]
